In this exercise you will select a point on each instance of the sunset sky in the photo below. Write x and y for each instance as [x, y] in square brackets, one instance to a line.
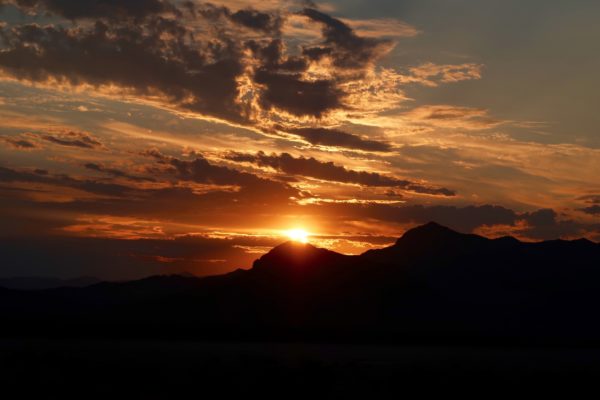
[154, 136]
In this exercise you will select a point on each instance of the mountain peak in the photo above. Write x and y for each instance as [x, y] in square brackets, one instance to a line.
[292, 247]
[293, 255]
[429, 231]
[432, 226]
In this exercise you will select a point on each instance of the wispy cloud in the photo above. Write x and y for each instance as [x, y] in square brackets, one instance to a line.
[430, 74]
[448, 116]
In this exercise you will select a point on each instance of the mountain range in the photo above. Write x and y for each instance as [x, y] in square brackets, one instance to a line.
[434, 285]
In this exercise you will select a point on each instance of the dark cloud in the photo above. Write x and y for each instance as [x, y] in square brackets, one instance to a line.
[311, 167]
[544, 224]
[200, 170]
[463, 219]
[393, 194]
[286, 89]
[291, 93]
[41, 176]
[279, 75]
[20, 143]
[334, 137]
[342, 45]
[254, 200]
[11, 175]
[92, 9]
[591, 198]
[284, 86]
[543, 217]
[257, 20]
[157, 57]
[267, 22]
[593, 210]
[169, 201]
[316, 53]
[150, 48]
[73, 139]
[30, 214]
[272, 57]
[116, 172]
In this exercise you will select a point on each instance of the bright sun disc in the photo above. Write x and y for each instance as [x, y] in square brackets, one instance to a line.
[298, 235]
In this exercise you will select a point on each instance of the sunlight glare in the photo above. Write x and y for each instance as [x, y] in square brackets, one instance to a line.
[298, 235]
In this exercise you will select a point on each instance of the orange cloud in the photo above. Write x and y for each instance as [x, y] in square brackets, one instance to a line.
[430, 74]
[448, 116]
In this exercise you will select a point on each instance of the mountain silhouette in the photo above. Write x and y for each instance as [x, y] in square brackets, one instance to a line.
[432, 285]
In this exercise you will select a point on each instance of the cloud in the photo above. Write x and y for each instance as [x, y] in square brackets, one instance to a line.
[11, 175]
[72, 139]
[92, 9]
[594, 204]
[592, 210]
[31, 141]
[267, 22]
[430, 74]
[242, 66]
[381, 27]
[464, 219]
[200, 170]
[311, 167]
[591, 198]
[545, 224]
[342, 45]
[116, 172]
[257, 20]
[43, 177]
[28, 206]
[194, 76]
[177, 197]
[291, 93]
[232, 65]
[447, 116]
[20, 143]
[337, 138]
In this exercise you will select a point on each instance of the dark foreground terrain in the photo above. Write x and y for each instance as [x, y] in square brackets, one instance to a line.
[100, 369]
[437, 311]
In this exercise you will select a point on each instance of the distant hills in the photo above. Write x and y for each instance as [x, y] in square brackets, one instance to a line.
[38, 283]
[433, 285]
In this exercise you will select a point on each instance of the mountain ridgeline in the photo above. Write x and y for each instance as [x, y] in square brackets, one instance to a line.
[433, 285]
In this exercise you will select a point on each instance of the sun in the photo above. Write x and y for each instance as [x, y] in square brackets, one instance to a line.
[298, 235]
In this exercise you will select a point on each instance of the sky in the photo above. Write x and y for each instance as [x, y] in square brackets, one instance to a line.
[157, 136]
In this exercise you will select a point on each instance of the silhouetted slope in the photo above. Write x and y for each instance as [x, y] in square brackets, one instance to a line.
[433, 285]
